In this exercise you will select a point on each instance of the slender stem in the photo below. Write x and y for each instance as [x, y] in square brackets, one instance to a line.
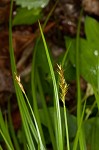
[79, 130]
[90, 110]
[98, 70]
[81, 135]
[78, 72]
[12, 59]
[67, 134]
[50, 13]
[65, 55]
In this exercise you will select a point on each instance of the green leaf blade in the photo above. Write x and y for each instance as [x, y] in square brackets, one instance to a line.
[32, 3]
[25, 16]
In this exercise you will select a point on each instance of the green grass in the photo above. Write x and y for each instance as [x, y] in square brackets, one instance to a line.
[79, 107]
[58, 121]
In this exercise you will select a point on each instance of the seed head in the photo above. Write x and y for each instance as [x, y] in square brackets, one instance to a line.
[19, 82]
[62, 83]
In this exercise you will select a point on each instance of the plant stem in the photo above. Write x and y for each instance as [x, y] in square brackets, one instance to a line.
[78, 72]
[81, 136]
[66, 126]
[90, 110]
[79, 130]
[98, 71]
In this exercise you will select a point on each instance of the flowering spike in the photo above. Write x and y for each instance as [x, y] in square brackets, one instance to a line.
[19, 82]
[62, 83]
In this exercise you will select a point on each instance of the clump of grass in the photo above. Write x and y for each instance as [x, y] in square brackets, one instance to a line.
[33, 130]
[58, 123]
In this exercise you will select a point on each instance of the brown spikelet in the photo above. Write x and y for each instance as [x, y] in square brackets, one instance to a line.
[19, 82]
[62, 83]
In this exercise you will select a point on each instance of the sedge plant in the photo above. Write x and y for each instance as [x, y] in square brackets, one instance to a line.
[30, 115]
[27, 120]
[30, 124]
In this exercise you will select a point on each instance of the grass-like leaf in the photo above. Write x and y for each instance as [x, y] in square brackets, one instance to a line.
[1, 147]
[33, 86]
[47, 117]
[79, 109]
[5, 133]
[79, 130]
[16, 144]
[27, 120]
[59, 139]
[34, 73]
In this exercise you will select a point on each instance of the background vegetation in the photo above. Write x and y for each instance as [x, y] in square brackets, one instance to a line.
[43, 83]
